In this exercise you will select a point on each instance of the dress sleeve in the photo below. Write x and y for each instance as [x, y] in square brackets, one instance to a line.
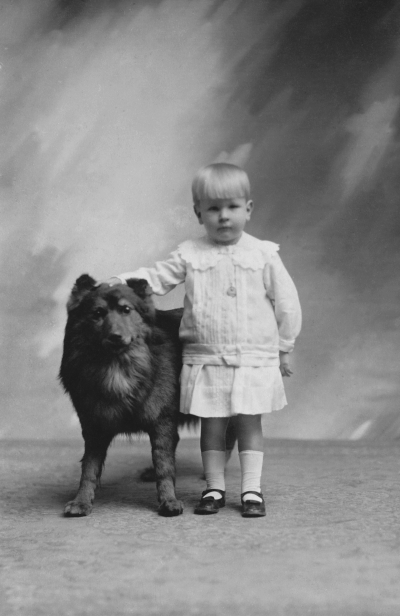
[164, 276]
[284, 297]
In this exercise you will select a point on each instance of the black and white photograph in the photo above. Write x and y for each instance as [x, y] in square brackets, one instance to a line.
[200, 307]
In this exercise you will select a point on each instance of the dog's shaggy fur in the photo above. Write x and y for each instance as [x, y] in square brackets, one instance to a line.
[121, 366]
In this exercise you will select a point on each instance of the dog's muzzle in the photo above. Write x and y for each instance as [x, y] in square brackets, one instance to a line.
[117, 341]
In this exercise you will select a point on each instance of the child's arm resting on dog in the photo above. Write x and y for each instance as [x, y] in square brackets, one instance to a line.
[163, 277]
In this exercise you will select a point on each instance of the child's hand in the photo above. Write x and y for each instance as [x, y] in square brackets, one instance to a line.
[284, 366]
[111, 281]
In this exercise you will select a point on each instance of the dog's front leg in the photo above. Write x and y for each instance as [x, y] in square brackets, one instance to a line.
[92, 464]
[164, 439]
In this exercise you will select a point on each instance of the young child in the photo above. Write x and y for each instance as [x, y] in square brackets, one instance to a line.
[241, 318]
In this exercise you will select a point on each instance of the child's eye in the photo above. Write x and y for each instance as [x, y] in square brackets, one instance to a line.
[126, 310]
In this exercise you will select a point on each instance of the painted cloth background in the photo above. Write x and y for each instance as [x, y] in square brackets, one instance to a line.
[107, 110]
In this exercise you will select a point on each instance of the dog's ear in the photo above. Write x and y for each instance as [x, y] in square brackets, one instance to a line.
[140, 286]
[81, 288]
[143, 290]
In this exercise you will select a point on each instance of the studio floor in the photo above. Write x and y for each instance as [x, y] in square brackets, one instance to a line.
[329, 545]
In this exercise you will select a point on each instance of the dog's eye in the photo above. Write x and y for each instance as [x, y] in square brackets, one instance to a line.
[126, 310]
[98, 313]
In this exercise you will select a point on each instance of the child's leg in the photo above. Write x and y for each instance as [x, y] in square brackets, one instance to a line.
[250, 442]
[212, 444]
[230, 438]
[213, 430]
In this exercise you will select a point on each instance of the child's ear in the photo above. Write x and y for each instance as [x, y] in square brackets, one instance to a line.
[81, 288]
[196, 208]
[249, 209]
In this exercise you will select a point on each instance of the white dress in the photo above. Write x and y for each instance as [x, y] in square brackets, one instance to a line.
[240, 309]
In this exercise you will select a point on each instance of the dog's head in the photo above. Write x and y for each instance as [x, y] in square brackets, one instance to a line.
[112, 317]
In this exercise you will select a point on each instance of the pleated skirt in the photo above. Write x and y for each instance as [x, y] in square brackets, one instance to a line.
[223, 391]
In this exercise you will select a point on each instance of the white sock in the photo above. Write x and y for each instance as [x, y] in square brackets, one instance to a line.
[214, 470]
[251, 463]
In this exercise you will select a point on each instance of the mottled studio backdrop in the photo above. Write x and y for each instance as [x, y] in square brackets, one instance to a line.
[107, 110]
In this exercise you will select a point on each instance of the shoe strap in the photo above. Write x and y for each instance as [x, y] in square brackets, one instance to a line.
[203, 494]
[259, 494]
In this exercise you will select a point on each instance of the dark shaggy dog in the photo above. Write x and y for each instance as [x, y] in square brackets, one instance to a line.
[121, 366]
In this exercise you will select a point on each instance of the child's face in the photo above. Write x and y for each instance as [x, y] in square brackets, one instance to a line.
[224, 219]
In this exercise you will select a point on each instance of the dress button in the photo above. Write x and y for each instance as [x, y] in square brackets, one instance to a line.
[231, 291]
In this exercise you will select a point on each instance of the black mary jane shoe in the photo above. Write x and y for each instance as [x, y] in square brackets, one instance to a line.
[209, 504]
[253, 508]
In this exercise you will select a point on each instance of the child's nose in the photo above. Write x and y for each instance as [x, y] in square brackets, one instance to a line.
[223, 214]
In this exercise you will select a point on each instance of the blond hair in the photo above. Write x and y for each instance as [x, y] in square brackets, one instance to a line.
[220, 181]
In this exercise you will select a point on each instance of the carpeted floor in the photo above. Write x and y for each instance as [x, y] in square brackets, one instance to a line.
[330, 544]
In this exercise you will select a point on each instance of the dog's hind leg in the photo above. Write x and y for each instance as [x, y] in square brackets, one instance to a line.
[164, 439]
[148, 475]
[92, 464]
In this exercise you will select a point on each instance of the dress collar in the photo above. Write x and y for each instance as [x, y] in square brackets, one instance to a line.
[245, 241]
[248, 252]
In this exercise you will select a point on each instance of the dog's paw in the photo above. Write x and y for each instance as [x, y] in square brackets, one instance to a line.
[170, 507]
[148, 474]
[75, 508]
